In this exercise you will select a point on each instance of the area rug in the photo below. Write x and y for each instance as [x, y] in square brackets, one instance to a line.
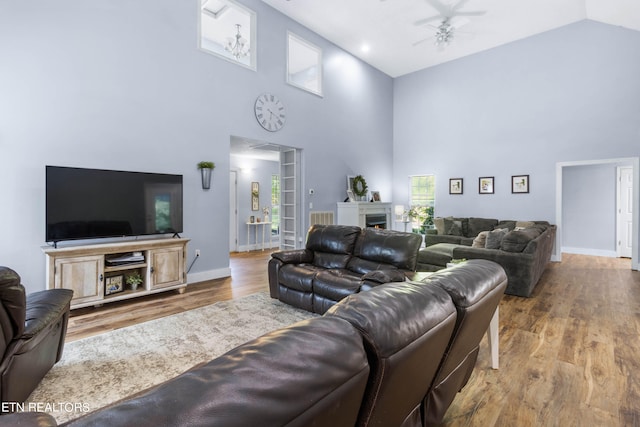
[105, 368]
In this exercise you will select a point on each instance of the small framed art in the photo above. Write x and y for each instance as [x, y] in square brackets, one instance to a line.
[485, 185]
[255, 196]
[520, 184]
[455, 186]
[114, 284]
[375, 196]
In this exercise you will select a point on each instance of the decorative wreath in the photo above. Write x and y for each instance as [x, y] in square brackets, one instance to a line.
[359, 186]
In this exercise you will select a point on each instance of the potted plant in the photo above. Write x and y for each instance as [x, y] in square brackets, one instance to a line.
[205, 170]
[134, 279]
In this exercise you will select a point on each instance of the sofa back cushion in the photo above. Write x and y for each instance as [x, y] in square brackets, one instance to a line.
[378, 246]
[332, 245]
[476, 225]
[403, 359]
[313, 372]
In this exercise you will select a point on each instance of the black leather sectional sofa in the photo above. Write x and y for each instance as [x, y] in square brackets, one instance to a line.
[395, 355]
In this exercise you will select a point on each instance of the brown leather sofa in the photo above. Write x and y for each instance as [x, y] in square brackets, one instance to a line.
[338, 261]
[376, 358]
[33, 331]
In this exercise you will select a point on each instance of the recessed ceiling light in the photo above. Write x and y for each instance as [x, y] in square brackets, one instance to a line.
[365, 48]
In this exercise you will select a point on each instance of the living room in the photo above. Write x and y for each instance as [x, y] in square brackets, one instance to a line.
[123, 85]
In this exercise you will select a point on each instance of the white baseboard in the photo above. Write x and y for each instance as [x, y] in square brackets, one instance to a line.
[203, 276]
[588, 251]
[258, 247]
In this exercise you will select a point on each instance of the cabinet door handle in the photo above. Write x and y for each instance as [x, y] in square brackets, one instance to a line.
[100, 278]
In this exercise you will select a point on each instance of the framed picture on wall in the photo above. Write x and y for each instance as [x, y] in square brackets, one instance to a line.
[485, 185]
[520, 184]
[255, 196]
[455, 186]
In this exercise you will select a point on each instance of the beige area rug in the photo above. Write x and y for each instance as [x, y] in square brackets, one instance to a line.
[103, 369]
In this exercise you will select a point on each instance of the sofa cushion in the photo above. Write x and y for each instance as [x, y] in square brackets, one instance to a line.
[506, 223]
[481, 240]
[298, 276]
[476, 225]
[494, 238]
[517, 240]
[330, 260]
[337, 239]
[363, 266]
[388, 247]
[336, 284]
[452, 227]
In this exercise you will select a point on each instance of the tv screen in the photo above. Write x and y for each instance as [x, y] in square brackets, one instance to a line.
[93, 203]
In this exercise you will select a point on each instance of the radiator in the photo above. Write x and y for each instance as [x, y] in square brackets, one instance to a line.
[321, 217]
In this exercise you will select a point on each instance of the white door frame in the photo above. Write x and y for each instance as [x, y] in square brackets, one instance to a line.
[233, 211]
[635, 163]
[622, 250]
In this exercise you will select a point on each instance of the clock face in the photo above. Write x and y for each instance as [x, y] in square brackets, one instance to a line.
[270, 112]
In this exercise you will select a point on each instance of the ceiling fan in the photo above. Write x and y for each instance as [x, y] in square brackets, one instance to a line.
[451, 18]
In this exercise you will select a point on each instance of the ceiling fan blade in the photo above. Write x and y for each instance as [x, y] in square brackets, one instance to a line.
[421, 22]
[419, 42]
[458, 22]
[442, 9]
[471, 13]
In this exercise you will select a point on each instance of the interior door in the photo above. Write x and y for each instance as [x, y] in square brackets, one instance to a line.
[625, 212]
[233, 211]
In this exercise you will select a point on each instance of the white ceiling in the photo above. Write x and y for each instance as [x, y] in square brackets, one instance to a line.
[387, 26]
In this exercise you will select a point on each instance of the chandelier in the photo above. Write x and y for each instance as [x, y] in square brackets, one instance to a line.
[237, 45]
[444, 33]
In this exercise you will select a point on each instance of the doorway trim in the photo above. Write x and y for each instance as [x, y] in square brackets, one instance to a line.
[635, 164]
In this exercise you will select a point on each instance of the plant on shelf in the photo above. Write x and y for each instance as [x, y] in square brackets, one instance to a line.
[205, 170]
[360, 186]
[206, 165]
[134, 279]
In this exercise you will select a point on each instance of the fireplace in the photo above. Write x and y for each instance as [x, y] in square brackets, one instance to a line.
[376, 220]
[365, 214]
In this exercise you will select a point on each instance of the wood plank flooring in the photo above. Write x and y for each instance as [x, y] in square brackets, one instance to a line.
[569, 355]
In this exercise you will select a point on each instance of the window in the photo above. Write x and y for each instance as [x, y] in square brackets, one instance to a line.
[275, 204]
[228, 30]
[422, 200]
[304, 64]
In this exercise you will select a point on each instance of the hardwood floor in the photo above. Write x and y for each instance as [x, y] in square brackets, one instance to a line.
[568, 355]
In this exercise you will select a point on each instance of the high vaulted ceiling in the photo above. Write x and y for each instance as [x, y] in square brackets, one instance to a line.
[388, 27]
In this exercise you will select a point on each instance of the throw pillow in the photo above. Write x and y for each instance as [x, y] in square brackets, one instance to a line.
[439, 224]
[521, 225]
[481, 240]
[452, 228]
[494, 238]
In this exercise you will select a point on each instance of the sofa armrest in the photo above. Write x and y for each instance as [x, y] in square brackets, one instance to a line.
[295, 256]
[379, 277]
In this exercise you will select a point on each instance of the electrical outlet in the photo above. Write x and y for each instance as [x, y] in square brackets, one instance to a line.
[197, 252]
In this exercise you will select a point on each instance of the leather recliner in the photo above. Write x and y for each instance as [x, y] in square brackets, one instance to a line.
[33, 332]
[406, 329]
[476, 288]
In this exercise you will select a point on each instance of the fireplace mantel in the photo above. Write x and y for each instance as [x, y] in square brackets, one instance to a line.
[365, 214]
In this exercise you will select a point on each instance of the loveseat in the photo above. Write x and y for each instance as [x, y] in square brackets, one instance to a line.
[522, 248]
[339, 260]
[395, 355]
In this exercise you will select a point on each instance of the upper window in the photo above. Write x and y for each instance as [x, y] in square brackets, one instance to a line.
[304, 64]
[228, 30]
[422, 190]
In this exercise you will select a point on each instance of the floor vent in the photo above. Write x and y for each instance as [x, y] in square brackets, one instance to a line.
[321, 217]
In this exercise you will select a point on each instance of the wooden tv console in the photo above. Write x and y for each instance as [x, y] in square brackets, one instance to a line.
[95, 280]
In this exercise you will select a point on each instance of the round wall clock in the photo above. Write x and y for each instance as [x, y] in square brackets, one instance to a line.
[270, 112]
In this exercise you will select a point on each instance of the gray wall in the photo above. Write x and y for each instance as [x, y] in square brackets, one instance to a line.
[565, 95]
[122, 85]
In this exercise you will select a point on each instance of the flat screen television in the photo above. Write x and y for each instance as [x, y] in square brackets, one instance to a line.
[94, 203]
